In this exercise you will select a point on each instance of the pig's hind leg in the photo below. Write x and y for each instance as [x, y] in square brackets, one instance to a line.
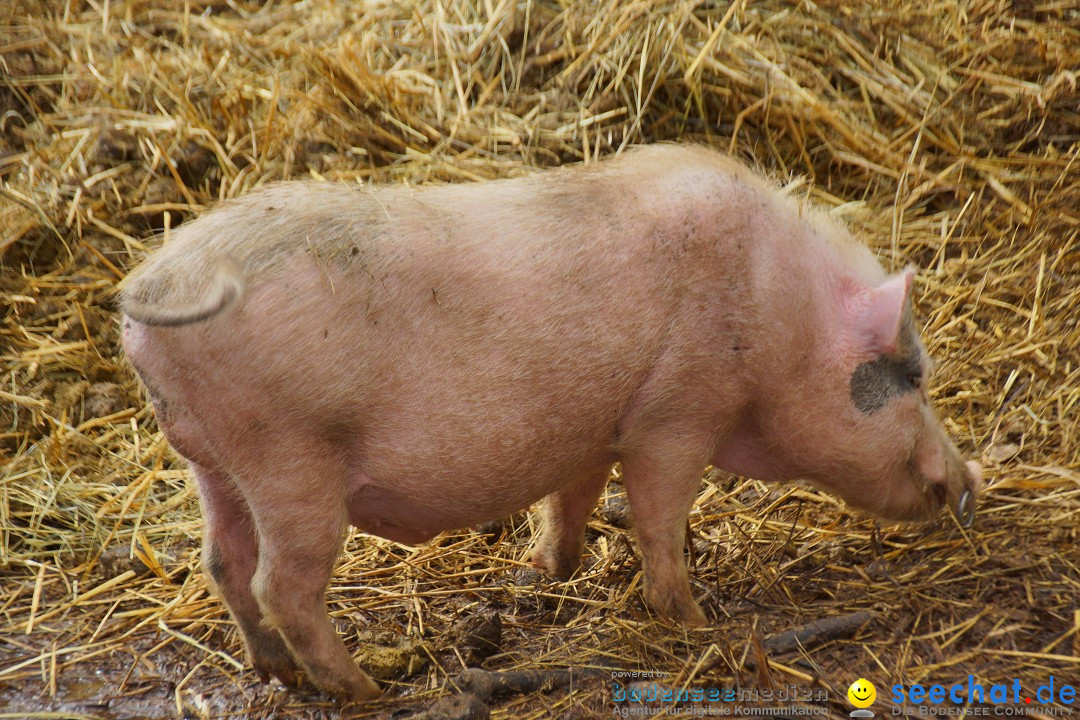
[662, 479]
[299, 511]
[230, 556]
[563, 516]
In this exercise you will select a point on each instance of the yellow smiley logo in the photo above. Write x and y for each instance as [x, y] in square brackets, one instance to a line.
[862, 693]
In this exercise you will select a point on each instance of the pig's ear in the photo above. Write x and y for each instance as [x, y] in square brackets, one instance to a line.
[882, 313]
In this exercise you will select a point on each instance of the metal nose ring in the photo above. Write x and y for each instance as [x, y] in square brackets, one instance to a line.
[965, 509]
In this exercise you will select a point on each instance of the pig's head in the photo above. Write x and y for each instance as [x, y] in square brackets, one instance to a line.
[871, 435]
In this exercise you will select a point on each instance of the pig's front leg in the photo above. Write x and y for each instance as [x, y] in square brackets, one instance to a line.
[299, 511]
[563, 516]
[662, 477]
[230, 556]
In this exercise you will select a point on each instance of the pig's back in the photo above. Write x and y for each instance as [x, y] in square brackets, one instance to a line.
[485, 337]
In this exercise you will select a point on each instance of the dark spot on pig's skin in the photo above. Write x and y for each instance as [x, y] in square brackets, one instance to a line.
[215, 563]
[875, 382]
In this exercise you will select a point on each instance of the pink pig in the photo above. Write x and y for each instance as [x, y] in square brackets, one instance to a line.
[417, 360]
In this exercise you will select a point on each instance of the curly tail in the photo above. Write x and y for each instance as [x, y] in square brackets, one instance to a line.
[226, 288]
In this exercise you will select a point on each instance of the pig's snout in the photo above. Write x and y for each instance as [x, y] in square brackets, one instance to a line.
[958, 487]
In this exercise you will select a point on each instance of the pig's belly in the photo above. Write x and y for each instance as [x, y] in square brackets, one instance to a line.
[395, 515]
[392, 515]
[414, 506]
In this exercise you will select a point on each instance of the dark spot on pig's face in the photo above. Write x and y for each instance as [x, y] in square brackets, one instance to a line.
[874, 383]
[877, 381]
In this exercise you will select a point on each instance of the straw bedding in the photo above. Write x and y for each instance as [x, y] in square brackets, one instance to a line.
[947, 134]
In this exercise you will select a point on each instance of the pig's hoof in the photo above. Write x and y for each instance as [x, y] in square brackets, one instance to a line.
[681, 610]
[361, 689]
[690, 615]
[358, 689]
[288, 677]
[555, 564]
[283, 668]
[694, 617]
